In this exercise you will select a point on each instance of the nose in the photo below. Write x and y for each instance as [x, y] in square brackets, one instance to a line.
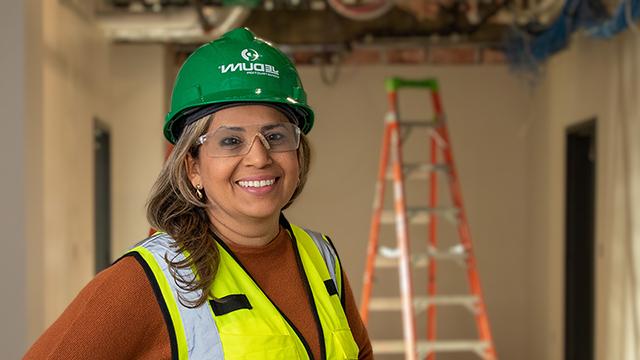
[258, 154]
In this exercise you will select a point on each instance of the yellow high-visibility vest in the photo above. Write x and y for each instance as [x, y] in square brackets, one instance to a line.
[239, 321]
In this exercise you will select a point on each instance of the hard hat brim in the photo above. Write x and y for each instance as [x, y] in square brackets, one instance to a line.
[174, 127]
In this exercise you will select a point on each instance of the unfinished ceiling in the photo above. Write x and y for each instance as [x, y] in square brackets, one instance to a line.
[320, 22]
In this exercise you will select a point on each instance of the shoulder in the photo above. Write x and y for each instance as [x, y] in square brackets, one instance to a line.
[113, 316]
[124, 280]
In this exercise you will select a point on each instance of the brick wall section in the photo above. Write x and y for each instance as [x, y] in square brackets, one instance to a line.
[406, 56]
[491, 56]
[364, 57]
[454, 56]
[440, 55]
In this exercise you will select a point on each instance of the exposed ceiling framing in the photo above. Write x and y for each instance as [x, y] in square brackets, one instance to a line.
[319, 22]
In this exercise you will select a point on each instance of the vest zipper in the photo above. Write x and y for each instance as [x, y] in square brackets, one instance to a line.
[298, 333]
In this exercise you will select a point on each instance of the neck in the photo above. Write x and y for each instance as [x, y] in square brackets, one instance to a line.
[248, 232]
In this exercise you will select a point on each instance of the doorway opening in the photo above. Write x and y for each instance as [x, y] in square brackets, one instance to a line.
[102, 196]
[580, 241]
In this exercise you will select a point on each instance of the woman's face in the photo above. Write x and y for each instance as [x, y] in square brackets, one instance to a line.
[252, 186]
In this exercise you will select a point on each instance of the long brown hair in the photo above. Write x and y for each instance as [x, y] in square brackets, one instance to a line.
[174, 208]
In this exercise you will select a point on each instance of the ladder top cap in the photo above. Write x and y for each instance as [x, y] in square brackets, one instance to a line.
[395, 83]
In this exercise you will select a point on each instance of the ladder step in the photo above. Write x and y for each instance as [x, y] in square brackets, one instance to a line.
[388, 257]
[419, 215]
[419, 171]
[420, 303]
[386, 261]
[420, 123]
[424, 347]
[455, 252]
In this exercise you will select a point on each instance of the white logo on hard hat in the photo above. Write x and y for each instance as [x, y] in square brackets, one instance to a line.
[251, 67]
[250, 55]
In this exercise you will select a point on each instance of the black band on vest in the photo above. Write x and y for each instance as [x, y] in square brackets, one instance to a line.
[342, 295]
[230, 303]
[171, 330]
[331, 287]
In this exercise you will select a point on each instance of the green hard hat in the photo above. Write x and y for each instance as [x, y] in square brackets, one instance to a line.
[236, 68]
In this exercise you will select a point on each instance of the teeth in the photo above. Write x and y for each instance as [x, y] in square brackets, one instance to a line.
[256, 184]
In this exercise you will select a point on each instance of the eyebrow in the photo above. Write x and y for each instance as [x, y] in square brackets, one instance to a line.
[234, 128]
[272, 126]
[242, 129]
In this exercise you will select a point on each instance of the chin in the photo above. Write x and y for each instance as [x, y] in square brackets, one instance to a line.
[261, 213]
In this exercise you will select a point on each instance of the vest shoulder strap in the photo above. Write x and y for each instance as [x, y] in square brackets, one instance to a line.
[330, 256]
[199, 340]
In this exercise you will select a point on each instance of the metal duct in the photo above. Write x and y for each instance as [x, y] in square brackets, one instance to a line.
[175, 25]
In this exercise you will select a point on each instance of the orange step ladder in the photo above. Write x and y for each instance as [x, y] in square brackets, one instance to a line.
[400, 257]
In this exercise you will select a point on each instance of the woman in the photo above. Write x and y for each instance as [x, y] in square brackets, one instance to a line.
[233, 279]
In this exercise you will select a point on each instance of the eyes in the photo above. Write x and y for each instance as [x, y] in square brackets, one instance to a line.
[237, 140]
[233, 141]
[230, 142]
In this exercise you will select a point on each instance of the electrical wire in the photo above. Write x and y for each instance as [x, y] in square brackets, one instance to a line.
[331, 79]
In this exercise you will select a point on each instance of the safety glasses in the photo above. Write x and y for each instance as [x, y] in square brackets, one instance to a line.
[231, 140]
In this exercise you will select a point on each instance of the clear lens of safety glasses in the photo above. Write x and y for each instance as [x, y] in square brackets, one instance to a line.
[230, 140]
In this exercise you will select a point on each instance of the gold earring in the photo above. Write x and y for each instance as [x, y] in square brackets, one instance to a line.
[198, 192]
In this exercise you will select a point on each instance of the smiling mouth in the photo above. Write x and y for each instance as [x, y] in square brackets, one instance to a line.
[257, 183]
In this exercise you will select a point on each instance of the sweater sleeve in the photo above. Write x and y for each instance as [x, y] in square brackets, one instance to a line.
[115, 316]
[358, 330]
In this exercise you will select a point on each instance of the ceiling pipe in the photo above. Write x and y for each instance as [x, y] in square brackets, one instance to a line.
[176, 25]
[543, 11]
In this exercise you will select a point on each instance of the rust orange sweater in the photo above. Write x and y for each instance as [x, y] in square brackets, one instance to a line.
[117, 316]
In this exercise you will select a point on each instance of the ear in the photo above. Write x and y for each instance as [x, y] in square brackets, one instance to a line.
[193, 170]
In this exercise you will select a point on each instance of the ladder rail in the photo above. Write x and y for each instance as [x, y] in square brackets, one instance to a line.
[433, 225]
[374, 231]
[482, 320]
[433, 242]
[402, 234]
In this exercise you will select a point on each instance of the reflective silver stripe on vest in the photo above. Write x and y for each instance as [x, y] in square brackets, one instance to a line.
[327, 253]
[203, 339]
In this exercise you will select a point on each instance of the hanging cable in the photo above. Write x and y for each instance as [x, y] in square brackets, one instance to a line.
[628, 15]
[202, 18]
[367, 11]
[336, 61]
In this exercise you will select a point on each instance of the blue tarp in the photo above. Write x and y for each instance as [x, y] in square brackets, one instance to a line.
[527, 49]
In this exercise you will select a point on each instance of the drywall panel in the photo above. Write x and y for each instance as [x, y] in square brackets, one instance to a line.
[75, 91]
[138, 84]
